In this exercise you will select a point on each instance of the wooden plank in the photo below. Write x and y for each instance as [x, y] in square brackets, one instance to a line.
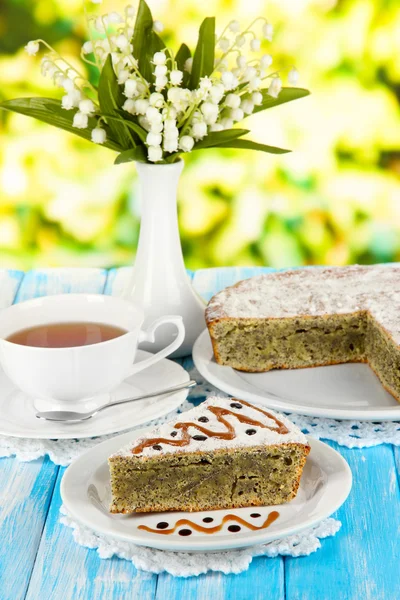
[25, 504]
[9, 284]
[64, 570]
[361, 561]
[118, 280]
[25, 494]
[208, 282]
[45, 282]
[264, 579]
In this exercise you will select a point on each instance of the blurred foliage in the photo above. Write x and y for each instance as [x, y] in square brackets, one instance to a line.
[334, 200]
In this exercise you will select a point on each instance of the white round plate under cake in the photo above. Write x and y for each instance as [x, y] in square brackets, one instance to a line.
[86, 494]
[18, 413]
[349, 391]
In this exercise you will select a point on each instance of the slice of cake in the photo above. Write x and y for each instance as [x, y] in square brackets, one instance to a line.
[226, 453]
[311, 317]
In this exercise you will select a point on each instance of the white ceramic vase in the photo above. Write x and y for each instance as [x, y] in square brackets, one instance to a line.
[159, 282]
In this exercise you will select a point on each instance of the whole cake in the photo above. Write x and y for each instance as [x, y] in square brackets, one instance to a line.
[311, 317]
[226, 453]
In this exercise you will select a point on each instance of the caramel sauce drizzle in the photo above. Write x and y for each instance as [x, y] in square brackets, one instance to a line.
[269, 520]
[228, 434]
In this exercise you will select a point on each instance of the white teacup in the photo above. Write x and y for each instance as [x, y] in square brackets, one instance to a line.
[70, 375]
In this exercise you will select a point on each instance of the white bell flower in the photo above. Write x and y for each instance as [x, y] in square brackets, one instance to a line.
[71, 100]
[240, 41]
[123, 76]
[226, 123]
[229, 80]
[99, 25]
[247, 106]
[275, 87]
[158, 26]
[186, 143]
[160, 70]
[268, 31]
[255, 84]
[266, 61]
[143, 122]
[115, 17]
[199, 130]
[32, 48]
[176, 77]
[141, 105]
[156, 100]
[154, 139]
[68, 84]
[99, 135]
[249, 73]
[224, 44]
[161, 82]
[216, 127]
[232, 100]
[257, 98]
[210, 112]
[188, 65]
[170, 145]
[255, 45]
[87, 107]
[234, 26]
[153, 115]
[141, 88]
[130, 11]
[216, 93]
[122, 42]
[241, 61]
[237, 114]
[87, 48]
[130, 89]
[169, 112]
[154, 153]
[293, 76]
[156, 127]
[130, 106]
[159, 58]
[80, 121]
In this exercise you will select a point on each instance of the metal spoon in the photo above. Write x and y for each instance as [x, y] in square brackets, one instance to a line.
[66, 416]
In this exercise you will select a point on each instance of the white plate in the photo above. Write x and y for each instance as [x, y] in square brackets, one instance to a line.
[85, 492]
[17, 412]
[349, 391]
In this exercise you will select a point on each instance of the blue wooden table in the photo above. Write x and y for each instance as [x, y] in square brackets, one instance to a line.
[39, 559]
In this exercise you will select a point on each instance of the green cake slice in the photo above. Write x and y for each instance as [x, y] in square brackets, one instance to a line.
[226, 453]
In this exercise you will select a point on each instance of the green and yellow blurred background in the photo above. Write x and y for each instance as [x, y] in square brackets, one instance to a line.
[334, 200]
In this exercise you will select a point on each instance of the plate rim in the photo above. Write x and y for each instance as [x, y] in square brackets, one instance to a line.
[180, 397]
[98, 455]
[202, 355]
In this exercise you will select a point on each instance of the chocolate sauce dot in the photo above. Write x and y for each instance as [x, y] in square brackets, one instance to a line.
[251, 431]
[185, 532]
[174, 433]
[236, 405]
[162, 525]
[199, 438]
[203, 419]
[208, 520]
[234, 528]
[157, 447]
[255, 515]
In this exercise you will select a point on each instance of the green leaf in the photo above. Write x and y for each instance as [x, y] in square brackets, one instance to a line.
[145, 41]
[203, 59]
[181, 57]
[249, 145]
[111, 100]
[134, 154]
[286, 95]
[140, 132]
[217, 138]
[50, 111]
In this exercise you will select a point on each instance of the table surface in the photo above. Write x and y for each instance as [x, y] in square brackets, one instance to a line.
[39, 559]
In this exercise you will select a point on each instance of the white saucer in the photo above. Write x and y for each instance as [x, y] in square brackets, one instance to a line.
[85, 492]
[350, 391]
[17, 412]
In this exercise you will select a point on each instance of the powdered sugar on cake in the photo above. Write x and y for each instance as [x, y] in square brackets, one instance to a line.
[258, 436]
[315, 292]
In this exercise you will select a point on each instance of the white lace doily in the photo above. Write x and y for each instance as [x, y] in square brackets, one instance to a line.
[352, 434]
[185, 564]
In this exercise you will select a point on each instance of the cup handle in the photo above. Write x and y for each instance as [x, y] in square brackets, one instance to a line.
[148, 336]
